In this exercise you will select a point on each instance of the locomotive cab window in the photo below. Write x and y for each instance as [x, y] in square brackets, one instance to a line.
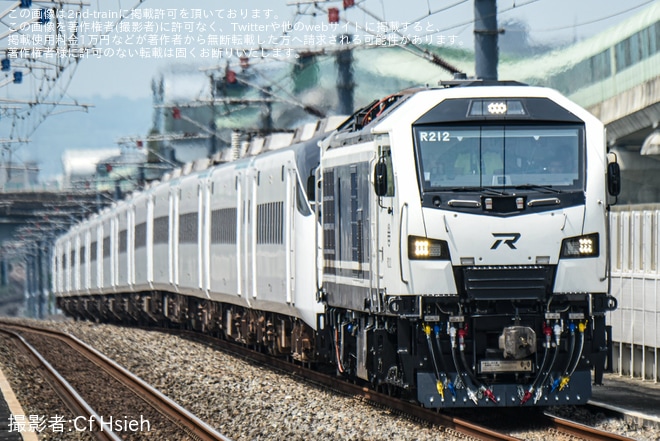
[455, 157]
[383, 173]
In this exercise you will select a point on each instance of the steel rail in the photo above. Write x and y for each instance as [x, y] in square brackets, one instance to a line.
[581, 431]
[73, 401]
[190, 423]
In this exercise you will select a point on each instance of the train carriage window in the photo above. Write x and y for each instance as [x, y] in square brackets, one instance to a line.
[141, 235]
[92, 252]
[301, 199]
[106, 246]
[123, 240]
[161, 230]
[384, 174]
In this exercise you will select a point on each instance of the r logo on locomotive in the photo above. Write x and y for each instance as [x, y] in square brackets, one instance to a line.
[512, 239]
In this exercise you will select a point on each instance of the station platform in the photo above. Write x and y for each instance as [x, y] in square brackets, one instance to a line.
[634, 397]
[9, 406]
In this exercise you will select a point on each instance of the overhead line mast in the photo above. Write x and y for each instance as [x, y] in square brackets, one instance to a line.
[486, 51]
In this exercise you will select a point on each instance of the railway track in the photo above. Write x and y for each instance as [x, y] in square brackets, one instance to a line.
[581, 431]
[518, 424]
[107, 401]
[553, 425]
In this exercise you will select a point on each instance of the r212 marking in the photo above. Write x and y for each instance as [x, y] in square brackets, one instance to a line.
[430, 136]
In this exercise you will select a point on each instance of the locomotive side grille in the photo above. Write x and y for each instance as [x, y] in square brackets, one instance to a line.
[501, 282]
[270, 223]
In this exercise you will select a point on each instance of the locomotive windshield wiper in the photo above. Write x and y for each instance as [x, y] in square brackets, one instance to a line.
[490, 190]
[548, 188]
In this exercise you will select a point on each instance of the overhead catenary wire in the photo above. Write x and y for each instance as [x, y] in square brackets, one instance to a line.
[424, 53]
[596, 20]
[50, 89]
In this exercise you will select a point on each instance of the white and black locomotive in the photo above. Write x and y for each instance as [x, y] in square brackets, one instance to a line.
[449, 244]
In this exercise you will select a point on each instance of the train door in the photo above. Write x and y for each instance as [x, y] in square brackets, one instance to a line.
[56, 268]
[66, 279]
[104, 276]
[114, 251]
[252, 233]
[389, 222]
[140, 256]
[346, 215]
[290, 233]
[224, 225]
[75, 262]
[240, 227]
[122, 262]
[247, 195]
[149, 240]
[173, 251]
[205, 234]
[187, 237]
[160, 253]
[130, 245]
[97, 256]
[201, 233]
[85, 256]
[246, 244]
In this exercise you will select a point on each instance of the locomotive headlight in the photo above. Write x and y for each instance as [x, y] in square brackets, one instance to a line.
[496, 108]
[420, 248]
[581, 246]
